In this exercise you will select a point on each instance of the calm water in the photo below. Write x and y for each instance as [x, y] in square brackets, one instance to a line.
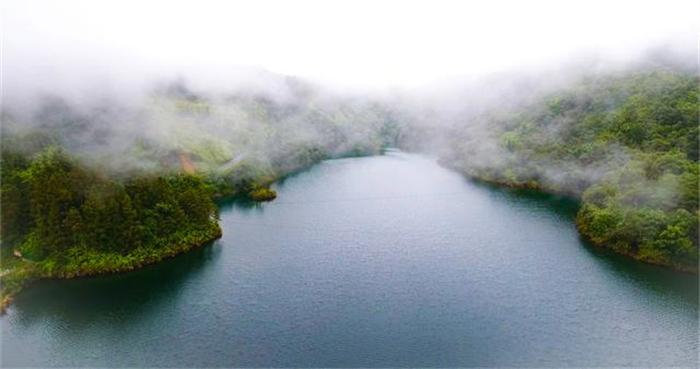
[381, 261]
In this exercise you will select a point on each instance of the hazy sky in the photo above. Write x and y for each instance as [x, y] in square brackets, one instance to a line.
[377, 43]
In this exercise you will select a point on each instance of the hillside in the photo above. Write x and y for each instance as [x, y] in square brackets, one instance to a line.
[626, 145]
[110, 188]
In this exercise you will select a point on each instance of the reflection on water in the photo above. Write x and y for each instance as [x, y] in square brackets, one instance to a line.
[79, 304]
[374, 262]
[659, 280]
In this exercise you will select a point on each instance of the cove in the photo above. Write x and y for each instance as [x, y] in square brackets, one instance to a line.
[380, 261]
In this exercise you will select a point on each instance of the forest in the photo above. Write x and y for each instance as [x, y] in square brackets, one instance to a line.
[625, 144]
[84, 196]
[65, 220]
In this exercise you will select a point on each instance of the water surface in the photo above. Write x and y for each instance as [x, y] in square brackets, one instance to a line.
[373, 262]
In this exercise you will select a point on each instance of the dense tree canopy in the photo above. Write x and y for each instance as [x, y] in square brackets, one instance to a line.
[57, 211]
[627, 145]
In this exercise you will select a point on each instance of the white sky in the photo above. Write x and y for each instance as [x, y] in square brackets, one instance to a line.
[376, 43]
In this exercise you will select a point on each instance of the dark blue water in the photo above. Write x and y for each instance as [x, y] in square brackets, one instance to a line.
[373, 262]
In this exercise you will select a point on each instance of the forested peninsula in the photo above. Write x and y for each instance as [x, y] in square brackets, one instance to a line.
[111, 188]
[625, 145]
[67, 212]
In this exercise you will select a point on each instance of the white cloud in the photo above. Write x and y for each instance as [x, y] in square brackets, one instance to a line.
[378, 43]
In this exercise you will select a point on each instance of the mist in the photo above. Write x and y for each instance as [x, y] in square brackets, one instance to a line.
[127, 86]
[380, 44]
[328, 157]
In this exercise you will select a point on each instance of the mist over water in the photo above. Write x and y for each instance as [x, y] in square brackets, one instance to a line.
[348, 270]
[124, 87]
[382, 258]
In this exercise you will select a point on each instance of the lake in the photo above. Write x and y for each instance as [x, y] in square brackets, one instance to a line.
[379, 261]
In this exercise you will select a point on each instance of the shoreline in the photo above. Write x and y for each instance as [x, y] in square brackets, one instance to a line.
[34, 275]
[539, 188]
[168, 253]
[682, 269]
[216, 233]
